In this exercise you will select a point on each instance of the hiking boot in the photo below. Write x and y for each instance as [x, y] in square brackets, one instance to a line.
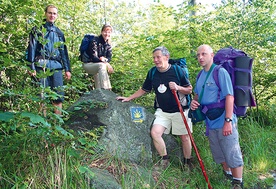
[164, 164]
[188, 164]
[161, 165]
[237, 184]
[228, 176]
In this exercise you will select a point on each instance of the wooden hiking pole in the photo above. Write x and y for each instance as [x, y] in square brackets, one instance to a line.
[192, 140]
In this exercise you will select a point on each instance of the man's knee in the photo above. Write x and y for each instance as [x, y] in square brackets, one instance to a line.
[102, 66]
[156, 131]
[153, 132]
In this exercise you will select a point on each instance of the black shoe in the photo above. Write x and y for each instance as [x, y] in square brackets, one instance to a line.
[228, 176]
[237, 184]
[188, 163]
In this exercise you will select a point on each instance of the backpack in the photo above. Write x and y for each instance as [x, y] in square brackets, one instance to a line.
[37, 33]
[84, 57]
[182, 63]
[239, 67]
[180, 67]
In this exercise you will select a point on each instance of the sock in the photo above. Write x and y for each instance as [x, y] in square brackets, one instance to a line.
[228, 172]
[187, 161]
[165, 157]
[240, 179]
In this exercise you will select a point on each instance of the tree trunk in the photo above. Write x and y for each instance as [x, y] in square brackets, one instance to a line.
[192, 3]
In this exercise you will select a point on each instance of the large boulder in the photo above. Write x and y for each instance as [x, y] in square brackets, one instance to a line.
[126, 125]
[126, 135]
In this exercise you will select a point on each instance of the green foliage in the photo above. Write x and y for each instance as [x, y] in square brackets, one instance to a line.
[265, 115]
[258, 146]
[250, 30]
[61, 152]
[29, 137]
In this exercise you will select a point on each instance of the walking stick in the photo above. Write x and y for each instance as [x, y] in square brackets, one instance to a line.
[192, 140]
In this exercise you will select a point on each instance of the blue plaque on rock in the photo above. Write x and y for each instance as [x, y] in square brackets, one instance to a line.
[137, 114]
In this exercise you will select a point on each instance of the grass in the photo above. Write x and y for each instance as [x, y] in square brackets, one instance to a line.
[30, 161]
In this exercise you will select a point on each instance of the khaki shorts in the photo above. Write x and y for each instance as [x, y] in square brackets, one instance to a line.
[173, 121]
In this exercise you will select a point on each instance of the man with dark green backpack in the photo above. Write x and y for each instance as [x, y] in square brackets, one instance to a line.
[167, 115]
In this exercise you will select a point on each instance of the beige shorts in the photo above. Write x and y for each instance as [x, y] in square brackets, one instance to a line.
[173, 121]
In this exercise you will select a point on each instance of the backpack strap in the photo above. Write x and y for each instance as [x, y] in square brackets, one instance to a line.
[215, 76]
[177, 71]
[198, 75]
[152, 72]
[151, 75]
[60, 34]
[176, 68]
[180, 72]
[219, 103]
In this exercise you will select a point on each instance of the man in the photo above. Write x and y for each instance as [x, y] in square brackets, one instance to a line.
[47, 51]
[221, 129]
[167, 115]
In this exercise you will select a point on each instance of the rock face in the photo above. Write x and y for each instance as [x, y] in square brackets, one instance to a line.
[103, 180]
[126, 135]
[127, 125]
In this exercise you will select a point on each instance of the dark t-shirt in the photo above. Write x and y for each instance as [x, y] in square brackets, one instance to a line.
[159, 82]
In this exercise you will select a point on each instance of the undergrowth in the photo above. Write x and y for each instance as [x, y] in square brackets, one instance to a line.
[47, 156]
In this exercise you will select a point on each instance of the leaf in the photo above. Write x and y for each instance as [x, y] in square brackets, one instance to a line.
[73, 152]
[63, 131]
[3, 50]
[77, 108]
[85, 169]
[34, 118]
[6, 116]
[82, 169]
[82, 141]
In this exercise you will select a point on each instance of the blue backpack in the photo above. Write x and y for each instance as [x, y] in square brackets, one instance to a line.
[84, 57]
[239, 67]
[37, 33]
[180, 67]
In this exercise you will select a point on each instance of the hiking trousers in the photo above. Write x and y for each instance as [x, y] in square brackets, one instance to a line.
[100, 74]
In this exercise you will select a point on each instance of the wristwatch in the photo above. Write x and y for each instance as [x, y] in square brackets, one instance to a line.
[228, 119]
